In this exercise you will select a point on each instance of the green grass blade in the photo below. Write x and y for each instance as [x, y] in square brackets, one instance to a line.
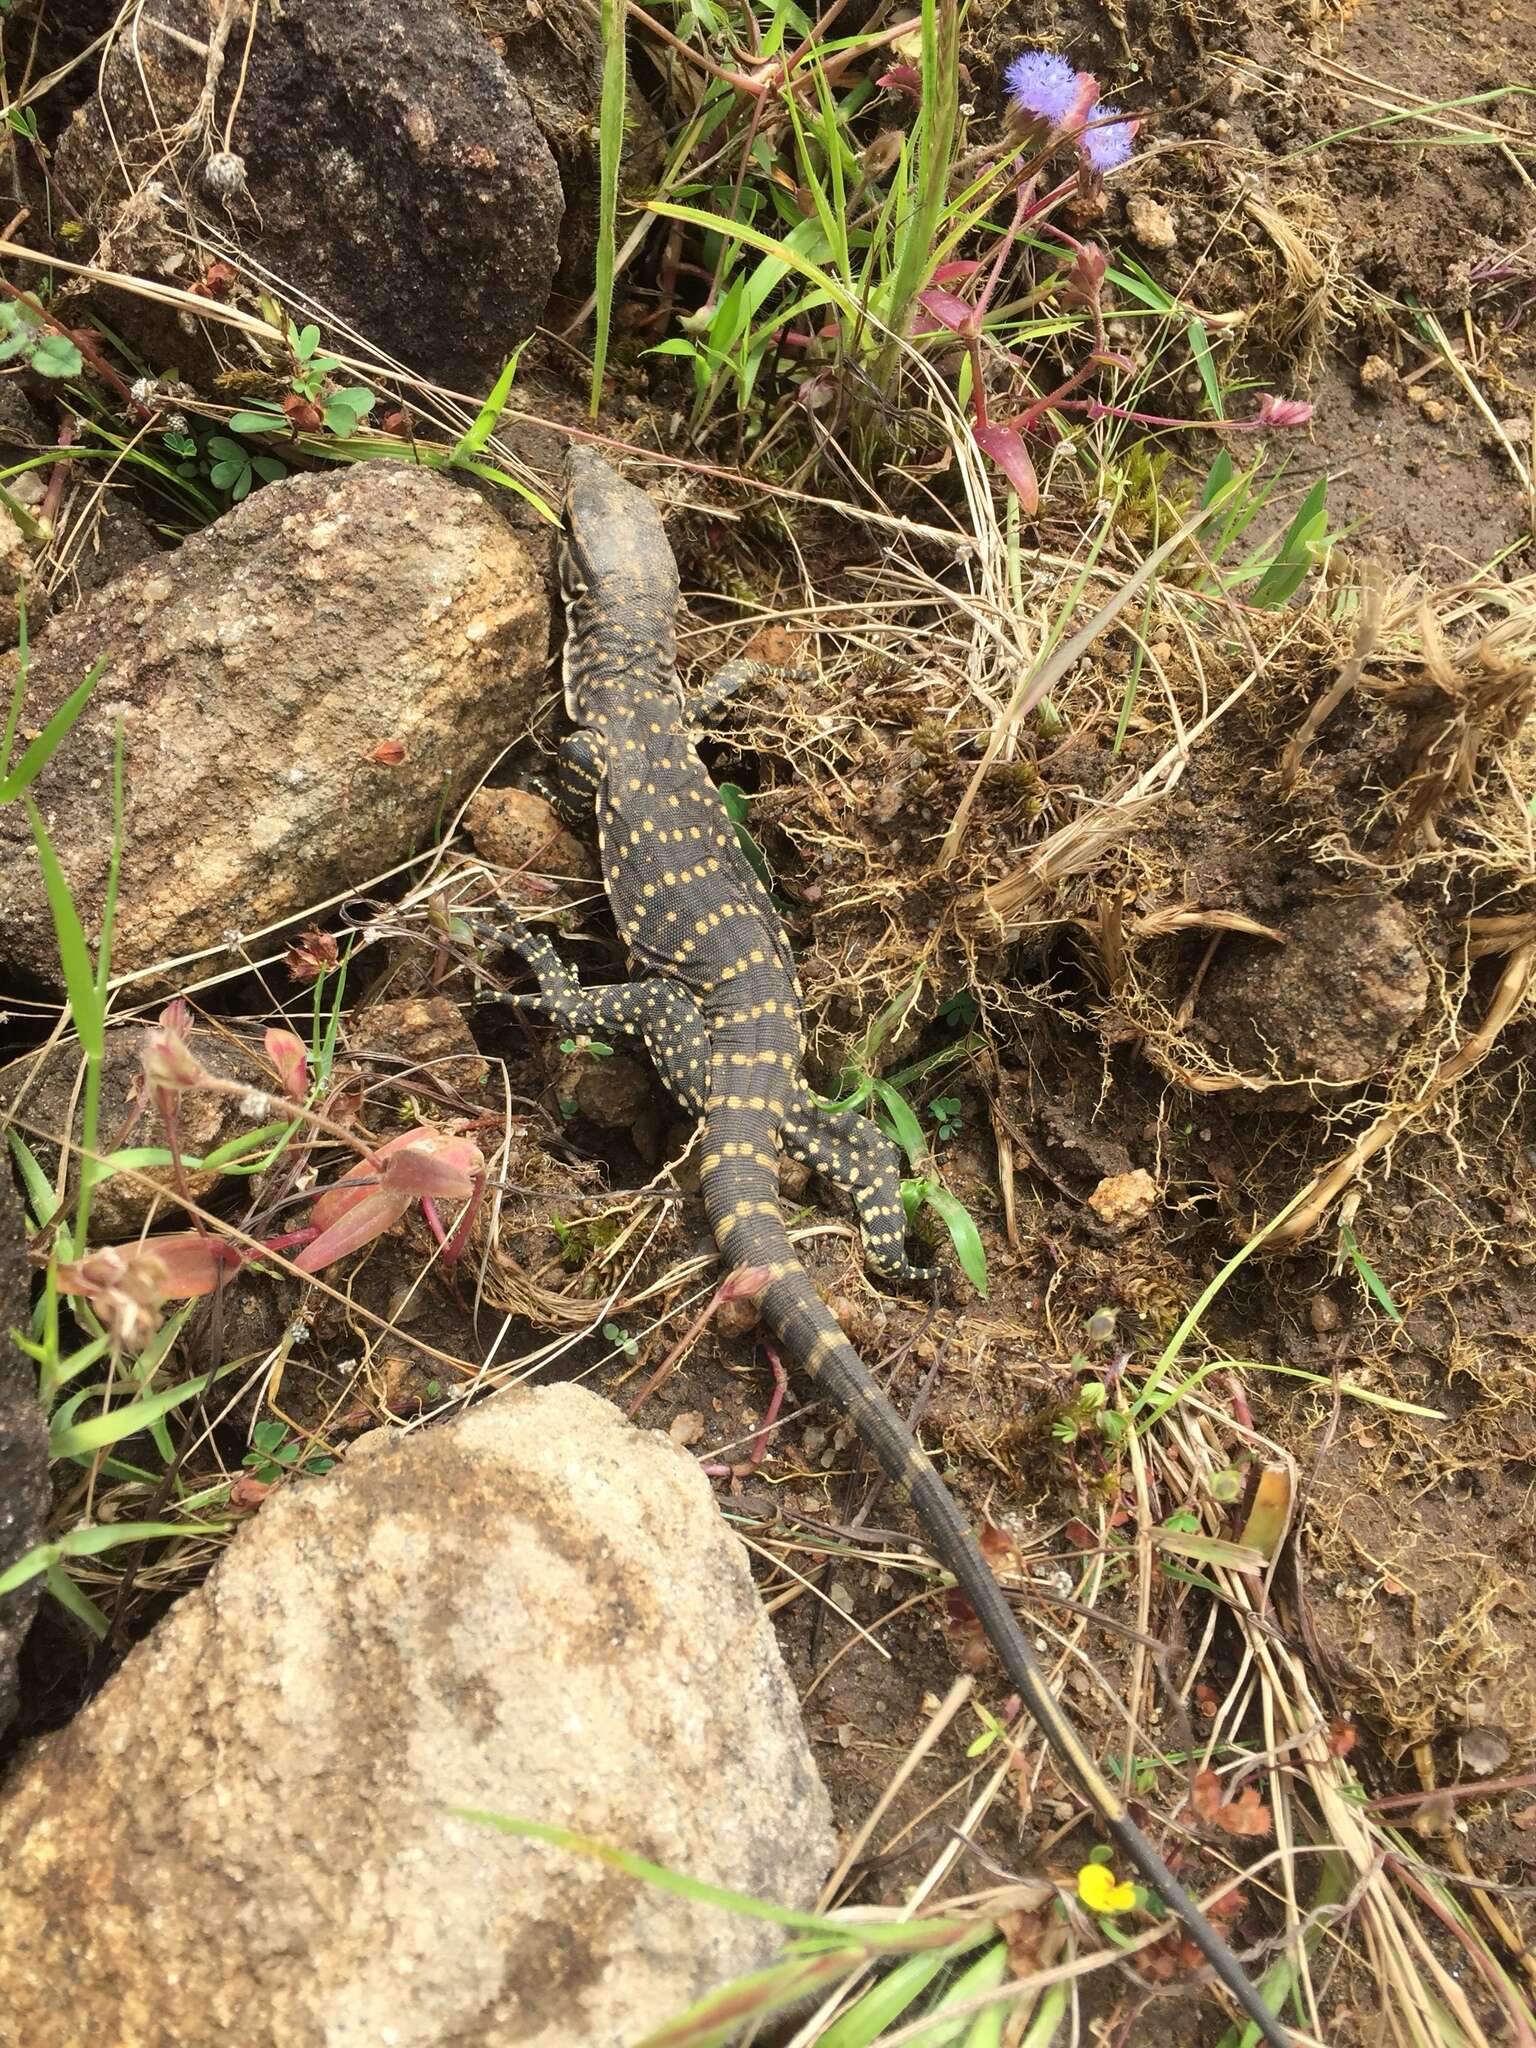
[904, 1126]
[610, 153]
[85, 1002]
[93, 1541]
[1368, 1273]
[964, 1235]
[883, 2004]
[937, 116]
[721, 2015]
[765, 244]
[19, 688]
[487, 418]
[70, 1597]
[79, 1439]
[36, 1185]
[1205, 363]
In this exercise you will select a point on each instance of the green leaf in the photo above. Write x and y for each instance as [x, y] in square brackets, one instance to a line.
[736, 802]
[883, 2005]
[55, 355]
[340, 419]
[1236, 1557]
[905, 1128]
[38, 1188]
[42, 750]
[1205, 363]
[611, 111]
[74, 1601]
[1367, 1272]
[305, 342]
[92, 1541]
[486, 419]
[956, 1218]
[266, 422]
[268, 468]
[79, 1439]
[86, 1005]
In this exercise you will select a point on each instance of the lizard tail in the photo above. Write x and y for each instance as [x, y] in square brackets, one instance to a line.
[752, 1234]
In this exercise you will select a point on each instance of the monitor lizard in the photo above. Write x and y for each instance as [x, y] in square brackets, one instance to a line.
[717, 1003]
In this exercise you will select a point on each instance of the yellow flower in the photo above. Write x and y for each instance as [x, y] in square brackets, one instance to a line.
[1098, 1891]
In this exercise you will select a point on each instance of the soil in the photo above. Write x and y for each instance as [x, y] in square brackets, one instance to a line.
[1269, 965]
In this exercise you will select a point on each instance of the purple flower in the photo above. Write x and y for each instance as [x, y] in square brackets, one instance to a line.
[1108, 147]
[1041, 84]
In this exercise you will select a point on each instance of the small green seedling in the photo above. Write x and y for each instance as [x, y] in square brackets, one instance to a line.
[621, 1340]
[274, 1454]
[234, 468]
[25, 334]
[948, 1116]
[341, 411]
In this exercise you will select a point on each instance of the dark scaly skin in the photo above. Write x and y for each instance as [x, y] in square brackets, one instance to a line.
[717, 1003]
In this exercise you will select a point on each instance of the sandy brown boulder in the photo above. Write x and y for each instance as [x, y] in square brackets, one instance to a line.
[382, 162]
[249, 1831]
[258, 673]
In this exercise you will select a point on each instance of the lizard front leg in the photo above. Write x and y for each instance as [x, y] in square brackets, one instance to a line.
[660, 1013]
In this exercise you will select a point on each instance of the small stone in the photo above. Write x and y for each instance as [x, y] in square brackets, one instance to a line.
[1151, 222]
[518, 828]
[1436, 411]
[736, 1318]
[420, 1038]
[1124, 1201]
[1376, 374]
[613, 1091]
[1323, 1314]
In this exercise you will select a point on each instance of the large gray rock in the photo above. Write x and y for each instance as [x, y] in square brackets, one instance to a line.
[393, 173]
[247, 1834]
[23, 1448]
[254, 672]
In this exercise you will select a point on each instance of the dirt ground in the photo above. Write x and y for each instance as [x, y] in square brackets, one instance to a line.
[1272, 963]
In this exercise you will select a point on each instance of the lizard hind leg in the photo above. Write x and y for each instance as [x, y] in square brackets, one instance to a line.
[854, 1155]
[703, 703]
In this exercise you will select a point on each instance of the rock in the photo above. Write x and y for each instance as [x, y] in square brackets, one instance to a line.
[42, 1093]
[536, 1612]
[614, 1090]
[255, 672]
[1377, 374]
[1151, 223]
[554, 50]
[1123, 1201]
[1329, 1006]
[382, 162]
[23, 1449]
[517, 828]
[418, 1039]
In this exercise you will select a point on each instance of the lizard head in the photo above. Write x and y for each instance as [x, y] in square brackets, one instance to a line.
[614, 551]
